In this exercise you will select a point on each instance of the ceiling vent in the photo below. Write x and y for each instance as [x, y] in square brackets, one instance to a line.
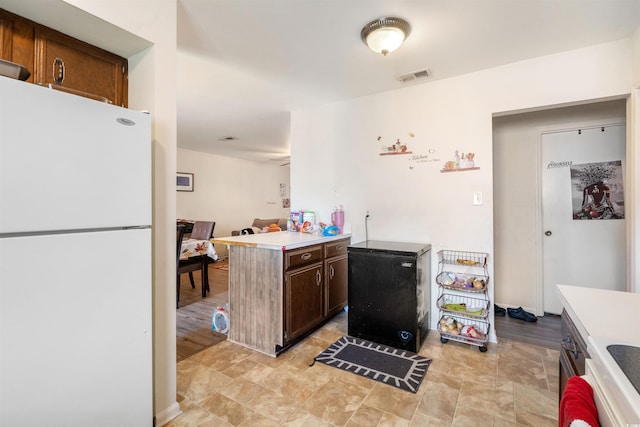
[420, 74]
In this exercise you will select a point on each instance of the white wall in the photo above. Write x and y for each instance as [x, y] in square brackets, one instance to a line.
[422, 204]
[230, 191]
[633, 162]
[516, 207]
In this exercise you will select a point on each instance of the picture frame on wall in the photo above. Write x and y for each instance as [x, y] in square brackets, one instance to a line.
[184, 181]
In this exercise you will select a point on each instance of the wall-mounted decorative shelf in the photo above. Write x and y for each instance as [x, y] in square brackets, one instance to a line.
[459, 169]
[393, 153]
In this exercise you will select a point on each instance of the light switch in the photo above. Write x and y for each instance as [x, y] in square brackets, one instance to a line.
[477, 198]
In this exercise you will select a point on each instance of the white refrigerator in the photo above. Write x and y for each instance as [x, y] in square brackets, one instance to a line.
[75, 261]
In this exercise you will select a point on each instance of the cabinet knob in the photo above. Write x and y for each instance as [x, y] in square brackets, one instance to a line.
[305, 256]
[331, 272]
[318, 278]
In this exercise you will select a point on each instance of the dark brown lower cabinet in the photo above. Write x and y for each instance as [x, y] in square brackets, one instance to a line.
[315, 287]
[573, 352]
[277, 297]
[336, 277]
[304, 302]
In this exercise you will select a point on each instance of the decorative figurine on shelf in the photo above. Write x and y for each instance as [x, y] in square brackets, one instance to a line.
[396, 147]
[460, 162]
[453, 164]
[466, 162]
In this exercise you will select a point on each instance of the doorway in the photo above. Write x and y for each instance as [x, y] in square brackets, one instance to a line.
[518, 237]
[583, 211]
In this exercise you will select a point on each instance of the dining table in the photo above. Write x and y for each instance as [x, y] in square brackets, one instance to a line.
[205, 251]
[195, 247]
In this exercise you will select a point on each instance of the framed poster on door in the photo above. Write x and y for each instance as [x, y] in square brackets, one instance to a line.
[597, 191]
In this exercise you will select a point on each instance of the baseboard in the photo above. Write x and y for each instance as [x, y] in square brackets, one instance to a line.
[493, 337]
[168, 414]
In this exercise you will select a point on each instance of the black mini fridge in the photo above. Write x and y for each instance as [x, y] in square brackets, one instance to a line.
[389, 293]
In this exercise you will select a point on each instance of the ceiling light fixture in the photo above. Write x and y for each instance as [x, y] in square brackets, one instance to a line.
[386, 34]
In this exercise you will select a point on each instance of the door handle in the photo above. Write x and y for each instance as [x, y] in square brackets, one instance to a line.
[570, 346]
[547, 233]
[58, 71]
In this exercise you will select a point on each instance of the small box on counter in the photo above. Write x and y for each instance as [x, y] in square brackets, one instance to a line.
[296, 223]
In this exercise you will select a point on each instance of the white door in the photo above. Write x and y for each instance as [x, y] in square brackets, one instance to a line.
[587, 252]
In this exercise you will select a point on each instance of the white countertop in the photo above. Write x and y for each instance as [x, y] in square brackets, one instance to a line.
[603, 313]
[280, 240]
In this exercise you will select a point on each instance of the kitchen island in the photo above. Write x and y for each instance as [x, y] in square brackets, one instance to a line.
[283, 285]
[603, 318]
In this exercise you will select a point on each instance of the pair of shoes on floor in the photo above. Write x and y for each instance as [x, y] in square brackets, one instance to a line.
[499, 311]
[519, 313]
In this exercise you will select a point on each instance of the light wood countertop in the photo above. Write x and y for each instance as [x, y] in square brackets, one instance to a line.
[281, 240]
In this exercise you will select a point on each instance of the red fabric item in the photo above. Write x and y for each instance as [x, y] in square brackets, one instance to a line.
[577, 403]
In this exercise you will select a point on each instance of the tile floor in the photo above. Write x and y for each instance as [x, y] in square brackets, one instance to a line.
[512, 384]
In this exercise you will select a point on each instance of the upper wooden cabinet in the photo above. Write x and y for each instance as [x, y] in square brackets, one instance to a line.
[62, 61]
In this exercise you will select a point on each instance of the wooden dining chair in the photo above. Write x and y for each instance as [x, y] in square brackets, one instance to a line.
[179, 237]
[202, 230]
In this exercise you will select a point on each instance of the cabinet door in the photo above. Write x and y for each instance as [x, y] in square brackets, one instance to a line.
[304, 302]
[17, 40]
[79, 68]
[5, 36]
[336, 273]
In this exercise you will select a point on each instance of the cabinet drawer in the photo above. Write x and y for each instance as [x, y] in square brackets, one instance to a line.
[339, 247]
[302, 256]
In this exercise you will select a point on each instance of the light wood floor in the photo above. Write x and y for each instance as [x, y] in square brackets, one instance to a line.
[193, 317]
